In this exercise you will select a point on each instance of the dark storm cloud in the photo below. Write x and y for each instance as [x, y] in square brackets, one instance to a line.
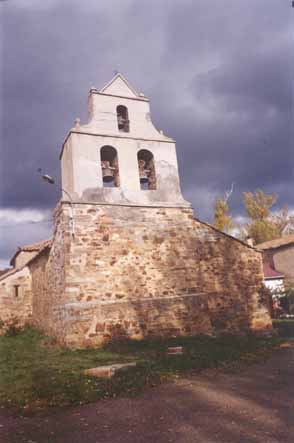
[218, 74]
[42, 67]
[237, 127]
[251, 139]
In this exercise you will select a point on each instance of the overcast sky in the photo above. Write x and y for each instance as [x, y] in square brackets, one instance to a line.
[219, 74]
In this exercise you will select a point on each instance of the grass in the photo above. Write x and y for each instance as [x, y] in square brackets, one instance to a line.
[36, 373]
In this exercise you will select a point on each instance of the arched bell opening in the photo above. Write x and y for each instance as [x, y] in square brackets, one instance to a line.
[109, 166]
[146, 170]
[123, 118]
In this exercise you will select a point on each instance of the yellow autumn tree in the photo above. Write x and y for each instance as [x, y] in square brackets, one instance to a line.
[262, 226]
[222, 219]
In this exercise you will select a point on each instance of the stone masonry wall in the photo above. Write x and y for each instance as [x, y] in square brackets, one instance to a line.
[15, 307]
[48, 284]
[41, 301]
[139, 271]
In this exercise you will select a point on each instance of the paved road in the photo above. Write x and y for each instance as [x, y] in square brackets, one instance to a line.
[255, 405]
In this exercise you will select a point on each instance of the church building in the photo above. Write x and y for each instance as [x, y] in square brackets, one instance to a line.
[128, 259]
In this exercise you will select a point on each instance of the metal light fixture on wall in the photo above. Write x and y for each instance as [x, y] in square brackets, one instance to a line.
[49, 179]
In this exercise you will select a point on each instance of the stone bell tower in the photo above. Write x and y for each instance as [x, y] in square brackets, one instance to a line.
[119, 157]
[128, 257]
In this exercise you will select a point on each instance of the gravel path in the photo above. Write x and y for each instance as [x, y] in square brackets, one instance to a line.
[253, 405]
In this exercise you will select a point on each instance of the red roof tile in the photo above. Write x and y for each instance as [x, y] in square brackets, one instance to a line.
[269, 272]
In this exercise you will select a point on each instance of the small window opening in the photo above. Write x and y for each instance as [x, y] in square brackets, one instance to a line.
[146, 170]
[109, 165]
[16, 290]
[123, 118]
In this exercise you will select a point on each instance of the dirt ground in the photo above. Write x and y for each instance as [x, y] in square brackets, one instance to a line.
[251, 405]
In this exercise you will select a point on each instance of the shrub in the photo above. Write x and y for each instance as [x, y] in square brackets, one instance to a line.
[284, 327]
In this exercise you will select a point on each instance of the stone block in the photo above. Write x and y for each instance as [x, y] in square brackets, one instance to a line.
[109, 370]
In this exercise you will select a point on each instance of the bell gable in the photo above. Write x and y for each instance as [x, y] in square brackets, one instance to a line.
[120, 87]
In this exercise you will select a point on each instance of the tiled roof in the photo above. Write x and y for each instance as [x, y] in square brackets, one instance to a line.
[277, 243]
[4, 271]
[269, 272]
[38, 247]
[46, 244]
[10, 272]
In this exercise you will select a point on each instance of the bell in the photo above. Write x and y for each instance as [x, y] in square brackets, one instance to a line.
[143, 172]
[107, 175]
[123, 123]
[144, 178]
[121, 120]
[107, 172]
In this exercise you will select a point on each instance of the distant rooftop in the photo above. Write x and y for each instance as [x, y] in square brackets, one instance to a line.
[277, 243]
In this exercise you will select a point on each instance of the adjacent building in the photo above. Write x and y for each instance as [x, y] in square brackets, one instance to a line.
[16, 288]
[278, 255]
